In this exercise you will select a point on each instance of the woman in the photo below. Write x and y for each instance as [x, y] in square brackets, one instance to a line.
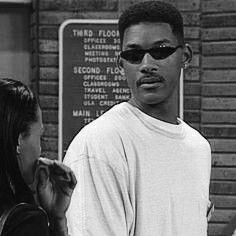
[24, 177]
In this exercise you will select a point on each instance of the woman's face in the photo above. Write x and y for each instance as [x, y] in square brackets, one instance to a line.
[29, 149]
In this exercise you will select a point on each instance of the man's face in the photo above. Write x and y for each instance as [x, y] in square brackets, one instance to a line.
[152, 81]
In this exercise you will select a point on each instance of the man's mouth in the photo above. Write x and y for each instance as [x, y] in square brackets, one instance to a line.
[150, 82]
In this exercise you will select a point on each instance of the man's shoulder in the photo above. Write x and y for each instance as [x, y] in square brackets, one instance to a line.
[102, 139]
[106, 131]
[105, 124]
[108, 123]
[195, 135]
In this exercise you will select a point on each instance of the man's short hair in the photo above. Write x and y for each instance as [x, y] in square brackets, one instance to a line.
[152, 11]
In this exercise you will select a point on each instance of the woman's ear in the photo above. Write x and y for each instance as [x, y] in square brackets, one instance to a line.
[119, 63]
[18, 147]
[187, 55]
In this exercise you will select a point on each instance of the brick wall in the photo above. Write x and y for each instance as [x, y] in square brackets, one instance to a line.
[34, 47]
[209, 88]
[218, 103]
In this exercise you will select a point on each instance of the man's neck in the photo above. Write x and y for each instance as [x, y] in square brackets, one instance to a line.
[165, 111]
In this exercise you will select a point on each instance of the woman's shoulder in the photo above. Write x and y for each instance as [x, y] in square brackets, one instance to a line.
[26, 219]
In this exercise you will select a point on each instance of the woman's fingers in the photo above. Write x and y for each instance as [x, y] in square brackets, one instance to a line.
[44, 161]
[43, 176]
[73, 180]
[59, 172]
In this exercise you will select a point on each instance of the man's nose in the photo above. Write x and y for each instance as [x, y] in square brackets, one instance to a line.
[148, 64]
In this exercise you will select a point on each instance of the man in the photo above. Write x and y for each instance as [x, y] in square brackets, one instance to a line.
[141, 170]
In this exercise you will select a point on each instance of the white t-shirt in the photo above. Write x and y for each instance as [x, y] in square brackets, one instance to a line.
[138, 176]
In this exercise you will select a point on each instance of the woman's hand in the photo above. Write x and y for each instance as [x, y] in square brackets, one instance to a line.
[55, 185]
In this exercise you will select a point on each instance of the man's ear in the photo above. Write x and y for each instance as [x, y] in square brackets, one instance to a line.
[187, 55]
[119, 63]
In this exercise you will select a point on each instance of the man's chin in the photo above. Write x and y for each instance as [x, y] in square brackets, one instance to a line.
[152, 100]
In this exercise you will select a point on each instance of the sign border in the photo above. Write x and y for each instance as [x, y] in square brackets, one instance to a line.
[60, 108]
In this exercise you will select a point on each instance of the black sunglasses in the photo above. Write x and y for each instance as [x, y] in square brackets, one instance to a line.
[135, 56]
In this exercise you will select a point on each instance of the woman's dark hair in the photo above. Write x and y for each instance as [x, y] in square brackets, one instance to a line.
[18, 110]
[152, 11]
